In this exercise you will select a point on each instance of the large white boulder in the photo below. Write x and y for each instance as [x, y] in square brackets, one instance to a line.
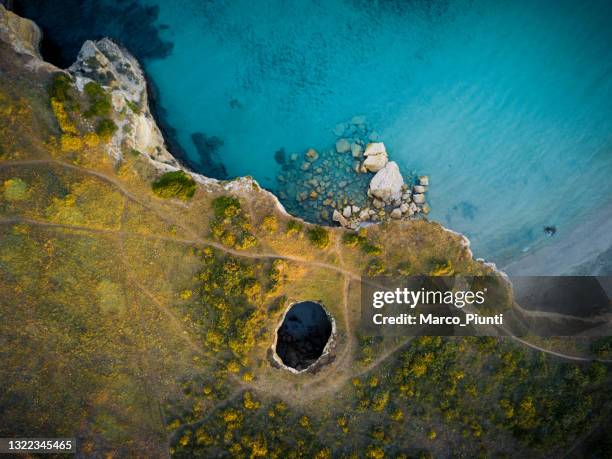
[375, 148]
[376, 157]
[376, 162]
[387, 183]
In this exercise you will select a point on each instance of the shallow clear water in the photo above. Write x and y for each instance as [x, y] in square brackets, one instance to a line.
[506, 105]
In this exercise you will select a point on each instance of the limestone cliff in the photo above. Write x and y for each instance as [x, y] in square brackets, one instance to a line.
[22, 34]
[117, 71]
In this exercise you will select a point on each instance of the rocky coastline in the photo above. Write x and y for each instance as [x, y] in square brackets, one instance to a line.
[353, 183]
[374, 190]
[308, 185]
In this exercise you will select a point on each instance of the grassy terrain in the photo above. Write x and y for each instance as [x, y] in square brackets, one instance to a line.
[140, 321]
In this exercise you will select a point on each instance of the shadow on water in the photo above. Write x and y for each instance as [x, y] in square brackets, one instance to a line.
[67, 24]
[207, 148]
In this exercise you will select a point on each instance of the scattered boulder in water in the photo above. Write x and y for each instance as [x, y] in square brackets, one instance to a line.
[550, 230]
[279, 156]
[303, 335]
[376, 157]
[343, 145]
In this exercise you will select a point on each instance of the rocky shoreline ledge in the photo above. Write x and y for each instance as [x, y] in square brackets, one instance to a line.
[352, 183]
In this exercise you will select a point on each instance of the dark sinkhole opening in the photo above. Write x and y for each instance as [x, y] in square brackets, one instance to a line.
[303, 335]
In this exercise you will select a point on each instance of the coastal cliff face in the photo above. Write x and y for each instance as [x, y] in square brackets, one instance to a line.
[139, 309]
[119, 73]
[22, 34]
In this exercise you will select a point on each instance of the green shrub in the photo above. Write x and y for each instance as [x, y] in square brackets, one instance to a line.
[355, 239]
[226, 207]
[60, 87]
[318, 236]
[15, 189]
[375, 267]
[99, 100]
[404, 268]
[246, 242]
[441, 268]
[602, 347]
[176, 184]
[371, 249]
[351, 239]
[133, 106]
[106, 128]
[270, 224]
[293, 227]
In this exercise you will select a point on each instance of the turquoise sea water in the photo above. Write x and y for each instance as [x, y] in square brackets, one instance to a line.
[507, 105]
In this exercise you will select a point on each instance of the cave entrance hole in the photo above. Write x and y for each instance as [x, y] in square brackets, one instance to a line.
[303, 335]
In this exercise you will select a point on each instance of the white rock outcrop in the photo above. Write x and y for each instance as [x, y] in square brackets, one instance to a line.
[117, 71]
[387, 184]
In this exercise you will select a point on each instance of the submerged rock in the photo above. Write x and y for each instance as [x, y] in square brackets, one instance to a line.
[343, 146]
[356, 150]
[339, 129]
[312, 155]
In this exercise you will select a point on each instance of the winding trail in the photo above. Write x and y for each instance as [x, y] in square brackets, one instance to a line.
[315, 386]
[197, 240]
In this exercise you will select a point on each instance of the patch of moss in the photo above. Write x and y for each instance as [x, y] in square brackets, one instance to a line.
[176, 184]
[318, 236]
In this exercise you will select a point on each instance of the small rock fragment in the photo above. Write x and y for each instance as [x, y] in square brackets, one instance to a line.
[418, 198]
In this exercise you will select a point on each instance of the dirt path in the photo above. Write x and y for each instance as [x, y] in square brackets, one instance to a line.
[197, 240]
